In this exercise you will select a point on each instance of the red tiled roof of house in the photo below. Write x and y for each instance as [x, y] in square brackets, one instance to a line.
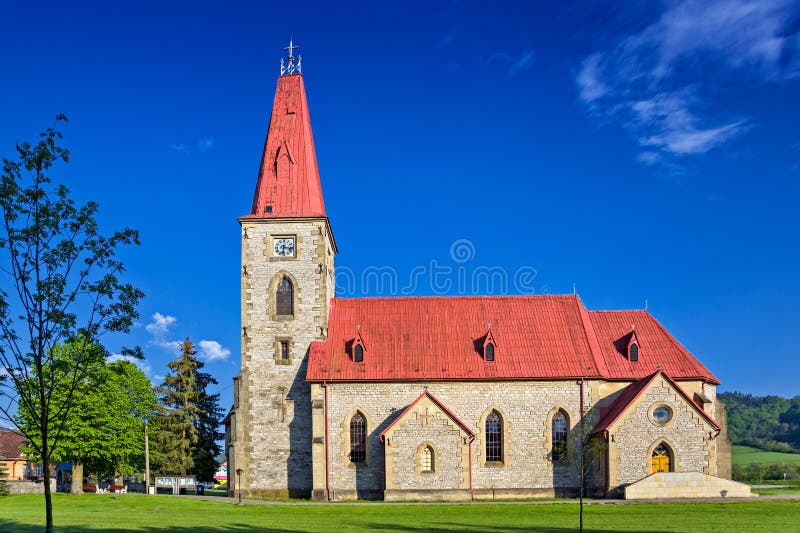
[288, 180]
[435, 400]
[633, 391]
[10, 444]
[537, 337]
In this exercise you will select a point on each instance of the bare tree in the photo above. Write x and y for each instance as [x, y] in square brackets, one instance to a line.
[62, 286]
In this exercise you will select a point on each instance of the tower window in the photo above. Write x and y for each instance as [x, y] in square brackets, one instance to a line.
[494, 437]
[358, 438]
[489, 352]
[633, 352]
[284, 351]
[358, 353]
[284, 297]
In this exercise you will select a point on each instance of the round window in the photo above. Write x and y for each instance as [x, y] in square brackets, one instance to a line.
[662, 414]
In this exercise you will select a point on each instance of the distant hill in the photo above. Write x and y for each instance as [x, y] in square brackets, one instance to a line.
[765, 422]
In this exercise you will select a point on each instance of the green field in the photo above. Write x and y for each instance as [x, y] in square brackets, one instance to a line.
[133, 512]
[745, 455]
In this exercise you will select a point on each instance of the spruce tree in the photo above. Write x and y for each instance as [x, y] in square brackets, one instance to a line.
[186, 424]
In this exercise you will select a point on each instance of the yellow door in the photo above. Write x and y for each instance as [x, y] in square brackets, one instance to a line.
[660, 459]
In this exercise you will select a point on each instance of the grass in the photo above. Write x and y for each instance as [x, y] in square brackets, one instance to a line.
[781, 490]
[133, 512]
[745, 455]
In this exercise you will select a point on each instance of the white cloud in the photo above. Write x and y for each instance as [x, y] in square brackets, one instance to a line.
[159, 329]
[179, 147]
[212, 351]
[658, 83]
[205, 144]
[514, 64]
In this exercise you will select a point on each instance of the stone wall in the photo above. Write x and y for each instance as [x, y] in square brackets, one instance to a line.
[16, 486]
[272, 438]
[426, 426]
[636, 435]
[525, 407]
[685, 485]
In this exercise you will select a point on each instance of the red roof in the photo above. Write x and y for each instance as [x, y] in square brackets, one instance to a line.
[633, 391]
[441, 406]
[288, 181]
[537, 337]
[10, 444]
[657, 348]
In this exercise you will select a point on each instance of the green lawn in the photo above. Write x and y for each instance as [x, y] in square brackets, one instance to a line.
[133, 512]
[745, 455]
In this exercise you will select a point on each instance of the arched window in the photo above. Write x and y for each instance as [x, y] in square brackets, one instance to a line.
[560, 428]
[284, 297]
[494, 437]
[358, 438]
[633, 352]
[489, 352]
[428, 460]
[358, 353]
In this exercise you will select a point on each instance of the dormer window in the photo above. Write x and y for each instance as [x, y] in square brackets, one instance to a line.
[633, 346]
[633, 352]
[489, 352]
[489, 346]
[358, 353]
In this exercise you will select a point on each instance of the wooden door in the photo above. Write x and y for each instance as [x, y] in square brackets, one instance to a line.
[661, 459]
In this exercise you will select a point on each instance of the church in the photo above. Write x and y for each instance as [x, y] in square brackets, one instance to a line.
[440, 398]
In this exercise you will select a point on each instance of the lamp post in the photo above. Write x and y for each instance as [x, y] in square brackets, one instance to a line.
[239, 475]
[146, 460]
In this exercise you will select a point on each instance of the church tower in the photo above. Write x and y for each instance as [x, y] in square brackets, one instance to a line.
[287, 284]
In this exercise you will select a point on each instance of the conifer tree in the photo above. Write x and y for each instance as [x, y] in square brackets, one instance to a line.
[186, 424]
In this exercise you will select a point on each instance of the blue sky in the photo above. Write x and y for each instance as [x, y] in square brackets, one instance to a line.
[637, 151]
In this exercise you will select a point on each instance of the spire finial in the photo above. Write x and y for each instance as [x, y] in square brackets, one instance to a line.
[291, 67]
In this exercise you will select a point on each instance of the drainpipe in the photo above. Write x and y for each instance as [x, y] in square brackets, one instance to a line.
[327, 462]
[583, 452]
[608, 463]
[471, 489]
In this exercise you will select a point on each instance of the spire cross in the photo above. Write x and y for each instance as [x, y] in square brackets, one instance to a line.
[291, 68]
[290, 48]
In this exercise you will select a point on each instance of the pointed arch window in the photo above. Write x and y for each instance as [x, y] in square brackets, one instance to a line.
[358, 353]
[358, 438]
[284, 297]
[489, 351]
[494, 437]
[559, 431]
[428, 459]
[633, 352]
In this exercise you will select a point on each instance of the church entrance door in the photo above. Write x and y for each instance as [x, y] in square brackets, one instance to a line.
[661, 459]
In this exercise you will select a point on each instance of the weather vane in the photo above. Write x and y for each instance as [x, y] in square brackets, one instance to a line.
[291, 67]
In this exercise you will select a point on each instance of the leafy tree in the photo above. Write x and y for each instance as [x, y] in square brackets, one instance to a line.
[64, 287]
[104, 431]
[186, 424]
[766, 422]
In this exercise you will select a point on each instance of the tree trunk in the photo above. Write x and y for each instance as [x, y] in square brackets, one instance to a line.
[77, 478]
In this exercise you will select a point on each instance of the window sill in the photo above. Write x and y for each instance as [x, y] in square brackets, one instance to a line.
[494, 464]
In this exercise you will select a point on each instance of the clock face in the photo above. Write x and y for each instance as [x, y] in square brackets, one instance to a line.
[284, 246]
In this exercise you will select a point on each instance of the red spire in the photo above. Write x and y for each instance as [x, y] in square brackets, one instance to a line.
[288, 181]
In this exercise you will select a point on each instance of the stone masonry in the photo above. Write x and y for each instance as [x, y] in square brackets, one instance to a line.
[688, 435]
[272, 408]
